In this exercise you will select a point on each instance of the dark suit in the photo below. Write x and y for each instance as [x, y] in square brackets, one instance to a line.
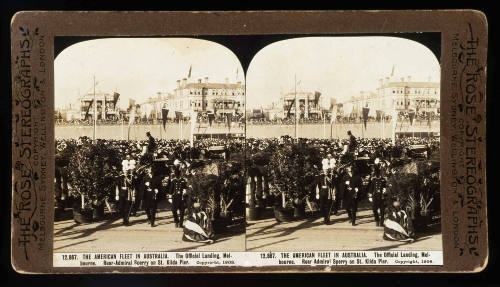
[326, 196]
[148, 186]
[126, 196]
[349, 184]
[375, 189]
[176, 187]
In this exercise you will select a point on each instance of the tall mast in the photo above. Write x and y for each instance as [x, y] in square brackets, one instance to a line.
[95, 112]
[296, 114]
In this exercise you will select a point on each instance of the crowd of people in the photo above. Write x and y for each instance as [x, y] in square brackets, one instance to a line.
[339, 173]
[148, 171]
[328, 175]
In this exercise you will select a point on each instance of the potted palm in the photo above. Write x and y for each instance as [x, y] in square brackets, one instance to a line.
[93, 172]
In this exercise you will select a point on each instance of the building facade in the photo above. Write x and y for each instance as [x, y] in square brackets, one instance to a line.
[107, 106]
[207, 97]
[309, 105]
[402, 96]
[151, 108]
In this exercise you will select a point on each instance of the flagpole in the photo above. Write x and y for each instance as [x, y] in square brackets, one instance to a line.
[324, 132]
[296, 114]
[95, 112]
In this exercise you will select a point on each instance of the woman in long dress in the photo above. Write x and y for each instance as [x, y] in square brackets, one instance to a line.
[398, 226]
[198, 227]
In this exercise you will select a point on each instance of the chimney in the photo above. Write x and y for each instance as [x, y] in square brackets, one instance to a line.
[159, 95]
[409, 78]
[184, 81]
[386, 80]
[226, 80]
[381, 82]
[199, 81]
[402, 79]
[206, 80]
[178, 83]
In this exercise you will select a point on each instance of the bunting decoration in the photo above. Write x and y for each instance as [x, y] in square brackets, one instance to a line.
[411, 114]
[211, 118]
[317, 95]
[229, 117]
[366, 110]
[88, 109]
[290, 108]
[164, 115]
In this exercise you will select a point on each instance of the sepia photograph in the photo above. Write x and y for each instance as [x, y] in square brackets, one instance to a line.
[149, 146]
[249, 141]
[343, 145]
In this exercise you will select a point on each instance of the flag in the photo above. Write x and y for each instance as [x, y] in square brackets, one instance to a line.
[366, 110]
[392, 72]
[412, 116]
[164, 115]
[115, 98]
[317, 95]
[334, 115]
[211, 118]
[178, 116]
[229, 118]
[88, 109]
[132, 117]
[290, 108]
[193, 118]
[189, 74]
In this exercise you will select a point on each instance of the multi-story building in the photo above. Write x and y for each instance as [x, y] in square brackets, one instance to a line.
[107, 106]
[309, 105]
[402, 96]
[204, 96]
[152, 107]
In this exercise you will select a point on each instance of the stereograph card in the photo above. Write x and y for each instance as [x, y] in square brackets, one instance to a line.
[298, 141]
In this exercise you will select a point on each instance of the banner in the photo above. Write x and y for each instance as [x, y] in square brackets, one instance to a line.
[366, 110]
[164, 115]
[132, 116]
[116, 96]
[211, 118]
[88, 109]
[229, 117]
[178, 116]
[411, 114]
[333, 118]
[290, 108]
[317, 95]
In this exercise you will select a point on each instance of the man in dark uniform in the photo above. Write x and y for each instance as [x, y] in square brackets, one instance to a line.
[151, 143]
[352, 142]
[376, 191]
[125, 195]
[150, 185]
[326, 195]
[351, 187]
[177, 187]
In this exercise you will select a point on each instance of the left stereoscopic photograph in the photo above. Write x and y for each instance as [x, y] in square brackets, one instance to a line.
[149, 136]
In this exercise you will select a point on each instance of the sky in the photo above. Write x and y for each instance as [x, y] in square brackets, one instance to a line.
[139, 68]
[338, 67]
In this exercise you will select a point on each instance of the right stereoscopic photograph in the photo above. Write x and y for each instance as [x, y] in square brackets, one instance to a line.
[343, 145]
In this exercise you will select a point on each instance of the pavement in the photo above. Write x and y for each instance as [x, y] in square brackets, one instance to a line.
[111, 235]
[313, 234]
